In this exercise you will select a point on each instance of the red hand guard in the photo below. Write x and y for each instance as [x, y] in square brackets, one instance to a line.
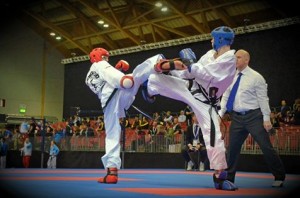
[122, 65]
[165, 65]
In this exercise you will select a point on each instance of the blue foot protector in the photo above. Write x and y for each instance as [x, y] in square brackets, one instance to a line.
[147, 98]
[222, 184]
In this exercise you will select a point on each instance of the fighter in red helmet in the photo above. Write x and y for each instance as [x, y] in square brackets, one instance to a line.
[116, 92]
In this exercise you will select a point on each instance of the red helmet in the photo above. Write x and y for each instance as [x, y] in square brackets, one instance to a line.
[97, 54]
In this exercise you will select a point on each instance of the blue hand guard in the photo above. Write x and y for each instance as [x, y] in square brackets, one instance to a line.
[145, 94]
[187, 56]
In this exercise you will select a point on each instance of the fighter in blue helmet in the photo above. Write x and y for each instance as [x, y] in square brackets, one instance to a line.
[208, 78]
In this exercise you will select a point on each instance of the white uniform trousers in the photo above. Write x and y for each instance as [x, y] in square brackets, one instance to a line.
[115, 109]
[176, 88]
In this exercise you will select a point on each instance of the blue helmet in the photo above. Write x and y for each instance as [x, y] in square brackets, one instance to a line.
[222, 36]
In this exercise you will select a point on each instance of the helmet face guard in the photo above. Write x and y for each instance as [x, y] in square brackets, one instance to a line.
[222, 36]
[99, 54]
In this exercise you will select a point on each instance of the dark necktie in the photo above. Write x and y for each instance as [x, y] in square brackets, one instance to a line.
[196, 133]
[229, 105]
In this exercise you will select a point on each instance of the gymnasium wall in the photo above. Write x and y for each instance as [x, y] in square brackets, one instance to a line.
[24, 56]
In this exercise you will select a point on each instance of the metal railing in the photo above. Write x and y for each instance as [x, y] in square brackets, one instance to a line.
[286, 141]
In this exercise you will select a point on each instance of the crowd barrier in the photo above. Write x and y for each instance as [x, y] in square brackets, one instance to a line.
[286, 141]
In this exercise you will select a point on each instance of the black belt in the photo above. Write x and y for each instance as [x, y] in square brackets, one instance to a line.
[244, 112]
[110, 97]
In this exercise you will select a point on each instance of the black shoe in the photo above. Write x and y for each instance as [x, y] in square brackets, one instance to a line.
[277, 183]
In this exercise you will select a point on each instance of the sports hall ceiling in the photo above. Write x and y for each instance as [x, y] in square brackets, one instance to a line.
[135, 22]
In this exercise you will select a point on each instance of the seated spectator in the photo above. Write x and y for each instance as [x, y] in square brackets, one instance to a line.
[86, 130]
[274, 120]
[89, 131]
[32, 127]
[157, 117]
[143, 123]
[100, 124]
[296, 104]
[76, 120]
[168, 117]
[68, 129]
[125, 121]
[296, 118]
[176, 126]
[283, 115]
[182, 117]
[49, 131]
[139, 140]
[153, 128]
[139, 131]
[194, 150]
[169, 130]
[161, 130]
[134, 123]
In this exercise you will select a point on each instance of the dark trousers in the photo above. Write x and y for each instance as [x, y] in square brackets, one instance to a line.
[195, 156]
[241, 126]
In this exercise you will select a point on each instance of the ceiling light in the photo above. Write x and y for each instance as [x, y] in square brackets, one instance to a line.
[52, 34]
[58, 38]
[106, 25]
[101, 22]
[158, 4]
[164, 9]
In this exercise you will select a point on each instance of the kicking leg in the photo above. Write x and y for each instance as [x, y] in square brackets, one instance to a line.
[169, 86]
